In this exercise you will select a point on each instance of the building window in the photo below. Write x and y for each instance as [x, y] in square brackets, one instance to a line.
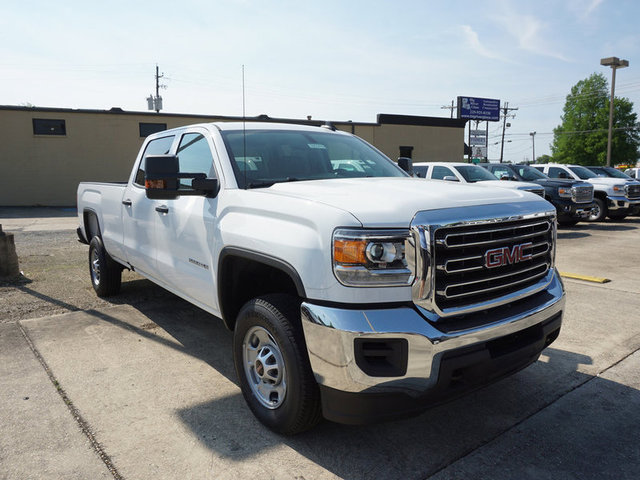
[147, 129]
[48, 126]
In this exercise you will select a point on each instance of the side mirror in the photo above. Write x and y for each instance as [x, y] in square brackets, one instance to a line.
[406, 164]
[505, 177]
[161, 176]
[162, 180]
[451, 178]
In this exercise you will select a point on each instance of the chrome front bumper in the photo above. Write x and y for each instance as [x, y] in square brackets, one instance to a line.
[331, 334]
[621, 203]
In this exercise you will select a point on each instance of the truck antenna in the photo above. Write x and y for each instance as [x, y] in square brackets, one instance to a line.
[244, 133]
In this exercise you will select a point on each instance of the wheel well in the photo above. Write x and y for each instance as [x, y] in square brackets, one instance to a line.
[240, 279]
[600, 195]
[91, 225]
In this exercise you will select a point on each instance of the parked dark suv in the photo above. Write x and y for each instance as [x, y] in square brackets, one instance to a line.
[573, 199]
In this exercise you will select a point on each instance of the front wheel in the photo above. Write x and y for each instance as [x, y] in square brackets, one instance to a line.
[106, 274]
[599, 211]
[272, 365]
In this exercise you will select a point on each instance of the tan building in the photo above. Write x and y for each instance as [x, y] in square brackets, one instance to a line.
[46, 152]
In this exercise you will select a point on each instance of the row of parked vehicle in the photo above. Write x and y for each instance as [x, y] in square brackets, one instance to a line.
[578, 193]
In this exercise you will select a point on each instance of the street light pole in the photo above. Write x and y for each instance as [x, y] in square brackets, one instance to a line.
[614, 63]
[533, 139]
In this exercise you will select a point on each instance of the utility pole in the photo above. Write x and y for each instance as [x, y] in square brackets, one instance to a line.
[452, 107]
[155, 103]
[533, 139]
[614, 63]
[505, 114]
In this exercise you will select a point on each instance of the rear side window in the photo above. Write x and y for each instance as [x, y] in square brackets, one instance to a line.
[555, 172]
[159, 146]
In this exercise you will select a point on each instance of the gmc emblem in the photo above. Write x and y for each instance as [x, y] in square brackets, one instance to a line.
[499, 257]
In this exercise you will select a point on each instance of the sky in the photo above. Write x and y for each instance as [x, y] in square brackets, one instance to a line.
[333, 60]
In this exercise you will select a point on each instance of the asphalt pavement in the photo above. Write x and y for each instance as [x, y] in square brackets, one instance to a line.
[145, 393]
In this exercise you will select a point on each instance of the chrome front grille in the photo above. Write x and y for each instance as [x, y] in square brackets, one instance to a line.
[476, 263]
[632, 191]
[582, 193]
[474, 258]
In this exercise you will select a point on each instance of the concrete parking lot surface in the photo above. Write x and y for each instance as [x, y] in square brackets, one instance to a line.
[142, 391]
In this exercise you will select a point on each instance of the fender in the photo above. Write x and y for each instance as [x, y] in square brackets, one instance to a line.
[259, 258]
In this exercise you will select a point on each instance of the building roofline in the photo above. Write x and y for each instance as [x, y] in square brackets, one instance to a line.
[382, 118]
[390, 119]
[120, 111]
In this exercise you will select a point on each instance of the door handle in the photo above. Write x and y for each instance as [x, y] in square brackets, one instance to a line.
[127, 203]
[162, 209]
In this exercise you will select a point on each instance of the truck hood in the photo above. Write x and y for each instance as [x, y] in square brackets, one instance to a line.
[393, 202]
[608, 181]
[508, 184]
[559, 182]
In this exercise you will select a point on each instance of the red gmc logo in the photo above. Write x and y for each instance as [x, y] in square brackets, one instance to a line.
[506, 256]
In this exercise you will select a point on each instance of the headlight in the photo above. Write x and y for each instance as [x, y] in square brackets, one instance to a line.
[618, 188]
[564, 192]
[370, 258]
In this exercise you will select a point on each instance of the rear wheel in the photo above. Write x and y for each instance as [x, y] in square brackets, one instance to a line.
[272, 365]
[106, 274]
[599, 210]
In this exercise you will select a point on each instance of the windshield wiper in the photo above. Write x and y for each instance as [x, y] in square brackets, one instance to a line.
[268, 183]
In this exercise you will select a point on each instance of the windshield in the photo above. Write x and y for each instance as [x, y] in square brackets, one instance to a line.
[583, 173]
[261, 158]
[609, 172]
[473, 173]
[529, 174]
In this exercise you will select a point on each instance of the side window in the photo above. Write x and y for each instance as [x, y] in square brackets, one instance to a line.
[440, 172]
[555, 172]
[159, 146]
[194, 156]
[420, 171]
[500, 172]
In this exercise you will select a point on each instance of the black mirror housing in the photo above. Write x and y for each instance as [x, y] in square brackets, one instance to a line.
[406, 164]
[161, 176]
[162, 179]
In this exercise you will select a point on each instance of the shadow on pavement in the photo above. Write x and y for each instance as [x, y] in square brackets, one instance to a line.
[436, 442]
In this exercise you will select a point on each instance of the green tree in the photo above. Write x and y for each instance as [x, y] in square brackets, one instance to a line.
[582, 136]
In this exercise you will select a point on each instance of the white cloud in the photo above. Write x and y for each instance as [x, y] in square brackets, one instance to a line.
[474, 42]
[529, 33]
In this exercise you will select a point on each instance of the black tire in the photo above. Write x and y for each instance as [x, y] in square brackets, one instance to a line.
[106, 274]
[272, 365]
[568, 223]
[618, 216]
[599, 211]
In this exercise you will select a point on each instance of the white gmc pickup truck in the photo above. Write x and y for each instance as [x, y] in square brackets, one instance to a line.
[356, 294]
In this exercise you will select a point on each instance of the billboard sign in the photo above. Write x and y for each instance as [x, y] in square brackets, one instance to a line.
[478, 138]
[479, 108]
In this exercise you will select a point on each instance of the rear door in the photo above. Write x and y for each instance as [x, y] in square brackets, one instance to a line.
[139, 215]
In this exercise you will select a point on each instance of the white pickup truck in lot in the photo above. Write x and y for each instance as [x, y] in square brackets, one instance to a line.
[355, 294]
[613, 197]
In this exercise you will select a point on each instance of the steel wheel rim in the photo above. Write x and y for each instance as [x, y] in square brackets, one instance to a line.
[595, 212]
[95, 268]
[264, 367]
